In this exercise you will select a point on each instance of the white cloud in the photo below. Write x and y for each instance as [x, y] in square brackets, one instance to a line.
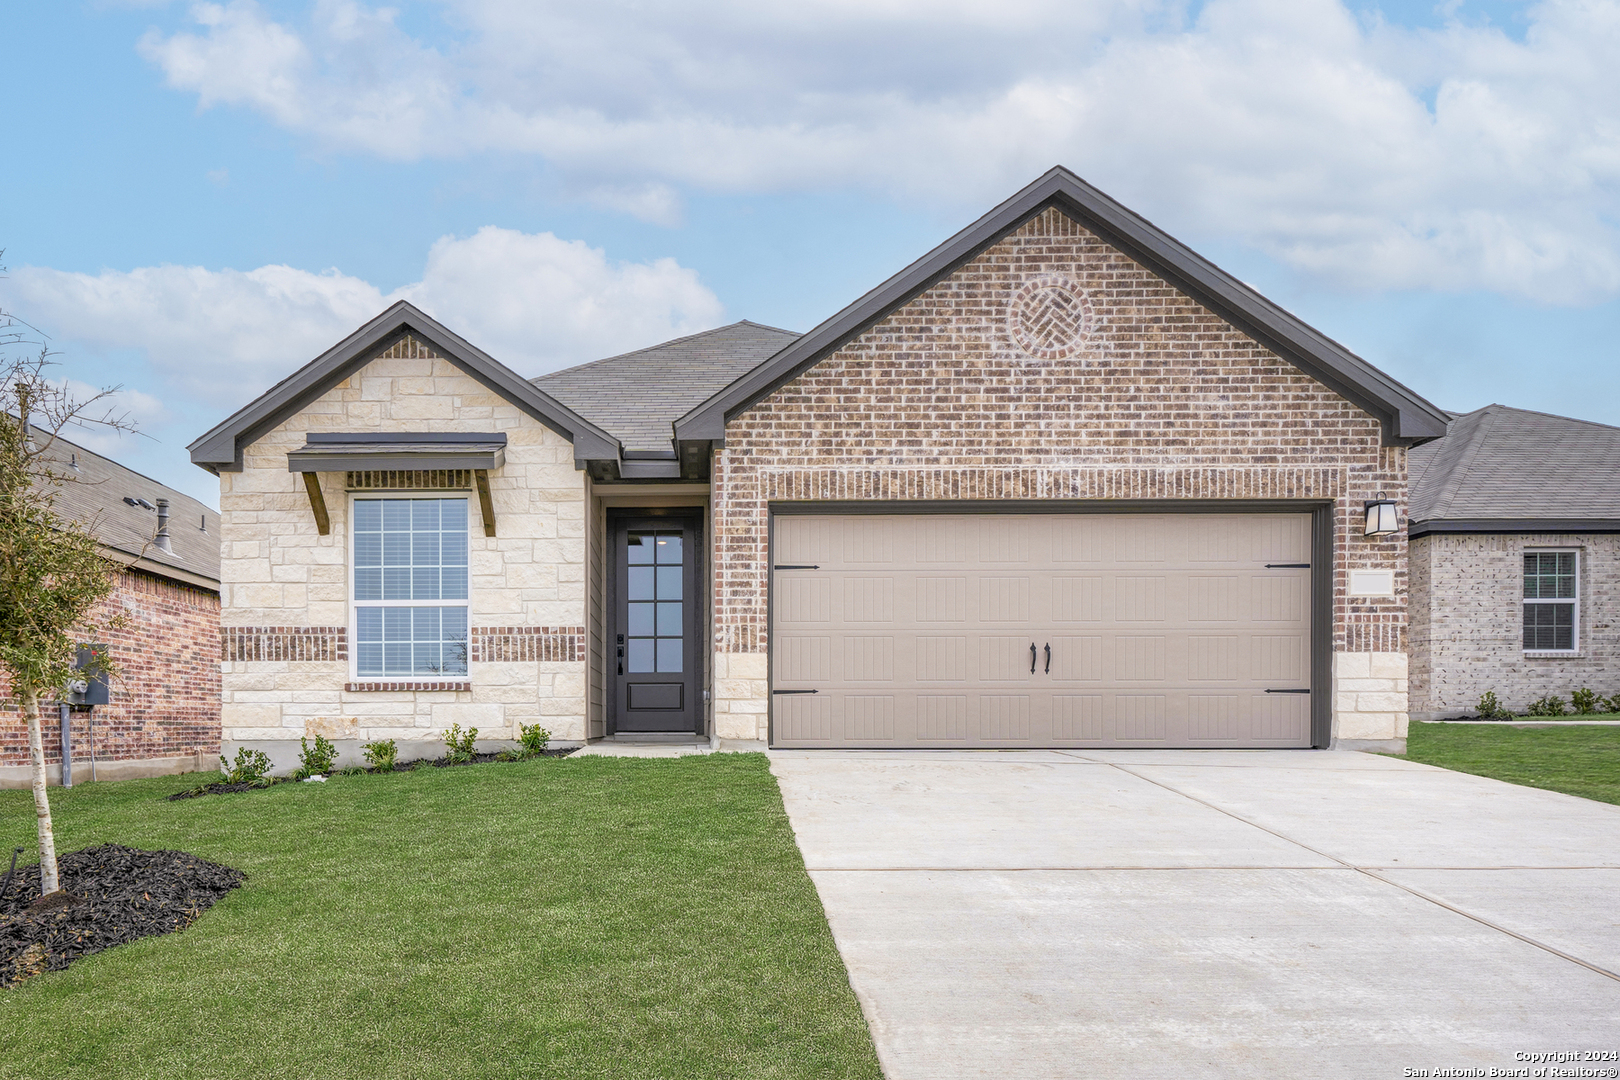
[535, 302]
[1286, 124]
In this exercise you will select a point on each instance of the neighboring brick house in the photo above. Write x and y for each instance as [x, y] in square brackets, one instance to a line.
[1061, 482]
[1515, 538]
[163, 713]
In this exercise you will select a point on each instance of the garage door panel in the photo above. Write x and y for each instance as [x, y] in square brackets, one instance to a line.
[1183, 632]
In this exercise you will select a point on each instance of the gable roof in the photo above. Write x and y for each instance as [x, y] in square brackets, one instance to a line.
[638, 396]
[94, 496]
[1512, 470]
[1406, 417]
[220, 450]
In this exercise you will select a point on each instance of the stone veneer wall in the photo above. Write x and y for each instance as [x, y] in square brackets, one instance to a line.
[164, 712]
[285, 644]
[1467, 633]
[990, 385]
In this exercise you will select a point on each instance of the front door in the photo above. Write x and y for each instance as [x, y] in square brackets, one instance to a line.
[655, 634]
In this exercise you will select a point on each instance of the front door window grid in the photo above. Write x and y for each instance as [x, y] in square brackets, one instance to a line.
[656, 638]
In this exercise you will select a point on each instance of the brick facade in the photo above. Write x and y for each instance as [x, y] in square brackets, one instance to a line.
[1049, 366]
[165, 700]
[1467, 631]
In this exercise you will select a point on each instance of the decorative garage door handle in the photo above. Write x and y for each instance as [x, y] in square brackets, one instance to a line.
[1048, 658]
[1304, 691]
[1032, 658]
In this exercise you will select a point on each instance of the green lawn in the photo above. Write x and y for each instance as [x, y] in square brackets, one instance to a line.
[1581, 761]
[598, 917]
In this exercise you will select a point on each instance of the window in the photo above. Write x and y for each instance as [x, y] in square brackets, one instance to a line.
[1550, 599]
[410, 587]
[655, 637]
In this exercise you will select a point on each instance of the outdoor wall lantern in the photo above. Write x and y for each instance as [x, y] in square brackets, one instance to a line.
[1381, 517]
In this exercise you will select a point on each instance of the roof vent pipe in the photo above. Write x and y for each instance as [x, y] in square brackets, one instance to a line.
[162, 537]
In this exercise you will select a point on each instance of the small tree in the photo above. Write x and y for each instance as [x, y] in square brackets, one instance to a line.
[52, 575]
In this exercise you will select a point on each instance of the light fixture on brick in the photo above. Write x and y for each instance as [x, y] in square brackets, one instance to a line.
[1381, 517]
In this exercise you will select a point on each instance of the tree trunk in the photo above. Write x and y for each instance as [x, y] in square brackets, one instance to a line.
[48, 879]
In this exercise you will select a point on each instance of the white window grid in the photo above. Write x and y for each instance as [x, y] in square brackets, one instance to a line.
[1574, 600]
[355, 605]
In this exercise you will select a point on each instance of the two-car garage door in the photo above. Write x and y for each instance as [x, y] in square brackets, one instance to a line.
[1009, 630]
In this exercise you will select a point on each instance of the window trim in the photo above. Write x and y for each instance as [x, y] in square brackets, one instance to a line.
[355, 604]
[1574, 602]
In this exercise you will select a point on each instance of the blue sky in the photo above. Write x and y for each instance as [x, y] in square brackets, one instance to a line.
[201, 197]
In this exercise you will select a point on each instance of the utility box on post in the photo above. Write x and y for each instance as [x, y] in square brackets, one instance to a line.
[91, 663]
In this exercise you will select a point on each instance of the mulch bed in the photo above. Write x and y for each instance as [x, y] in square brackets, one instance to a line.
[222, 788]
[110, 895]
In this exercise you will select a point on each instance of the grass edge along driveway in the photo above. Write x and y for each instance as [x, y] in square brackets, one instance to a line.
[1582, 761]
[591, 917]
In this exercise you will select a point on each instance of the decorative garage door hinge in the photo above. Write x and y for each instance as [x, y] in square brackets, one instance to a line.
[795, 691]
[794, 566]
[1304, 691]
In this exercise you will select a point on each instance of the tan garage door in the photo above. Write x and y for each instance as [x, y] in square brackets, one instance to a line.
[1079, 630]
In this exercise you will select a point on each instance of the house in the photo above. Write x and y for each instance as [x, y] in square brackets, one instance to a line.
[1060, 482]
[162, 714]
[1515, 561]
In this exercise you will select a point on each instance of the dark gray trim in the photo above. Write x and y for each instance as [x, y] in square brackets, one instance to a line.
[1052, 506]
[1322, 574]
[220, 450]
[394, 456]
[1416, 529]
[1406, 417]
[373, 438]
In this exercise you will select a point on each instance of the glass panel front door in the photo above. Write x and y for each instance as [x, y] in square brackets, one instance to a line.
[654, 662]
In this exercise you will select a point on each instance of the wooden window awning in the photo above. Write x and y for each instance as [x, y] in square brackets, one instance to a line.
[347, 451]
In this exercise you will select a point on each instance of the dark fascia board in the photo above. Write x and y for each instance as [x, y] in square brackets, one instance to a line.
[1416, 529]
[220, 450]
[334, 451]
[1407, 419]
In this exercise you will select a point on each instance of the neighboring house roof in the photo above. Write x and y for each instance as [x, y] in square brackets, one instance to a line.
[1512, 470]
[95, 496]
[638, 396]
[1407, 418]
[220, 450]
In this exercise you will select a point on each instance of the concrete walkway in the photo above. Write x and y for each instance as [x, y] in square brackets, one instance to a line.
[1209, 913]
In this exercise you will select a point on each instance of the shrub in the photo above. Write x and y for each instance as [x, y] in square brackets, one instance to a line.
[250, 767]
[353, 770]
[317, 760]
[1489, 708]
[1585, 701]
[1551, 705]
[460, 745]
[1612, 704]
[532, 740]
[380, 754]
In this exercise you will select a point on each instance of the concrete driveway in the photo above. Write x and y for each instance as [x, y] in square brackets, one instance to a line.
[1209, 913]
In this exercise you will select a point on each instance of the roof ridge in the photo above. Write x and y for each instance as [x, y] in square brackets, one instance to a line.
[661, 345]
[1454, 476]
[1554, 416]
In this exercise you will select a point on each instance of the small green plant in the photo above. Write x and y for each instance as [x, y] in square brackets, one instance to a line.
[317, 760]
[459, 745]
[352, 770]
[1551, 705]
[1489, 708]
[532, 740]
[1585, 701]
[1612, 704]
[250, 766]
[380, 754]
